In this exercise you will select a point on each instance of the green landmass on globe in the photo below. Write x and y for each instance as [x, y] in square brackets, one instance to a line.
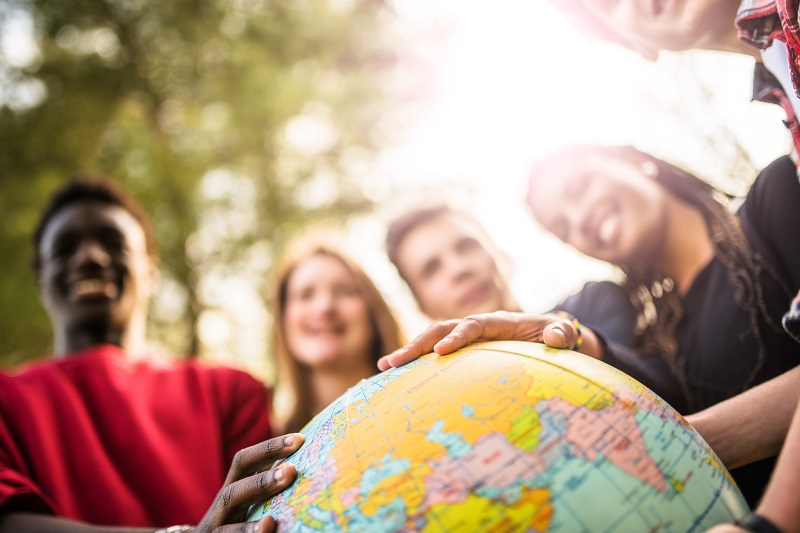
[503, 436]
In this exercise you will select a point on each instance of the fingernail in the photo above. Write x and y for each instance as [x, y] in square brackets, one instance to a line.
[278, 474]
[446, 340]
[257, 527]
[288, 440]
[561, 335]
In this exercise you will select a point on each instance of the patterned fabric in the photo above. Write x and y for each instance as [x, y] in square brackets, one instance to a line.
[766, 88]
[760, 22]
[788, 13]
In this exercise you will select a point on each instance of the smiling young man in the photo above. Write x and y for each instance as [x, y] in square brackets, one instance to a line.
[449, 262]
[103, 433]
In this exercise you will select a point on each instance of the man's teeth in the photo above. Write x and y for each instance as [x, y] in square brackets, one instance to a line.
[606, 229]
[87, 287]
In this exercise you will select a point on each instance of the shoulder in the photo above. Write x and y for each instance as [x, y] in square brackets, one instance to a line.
[774, 186]
[770, 211]
[770, 216]
[594, 294]
[86, 363]
[224, 377]
[602, 288]
[208, 374]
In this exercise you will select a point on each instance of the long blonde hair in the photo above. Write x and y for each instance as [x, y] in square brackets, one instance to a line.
[292, 379]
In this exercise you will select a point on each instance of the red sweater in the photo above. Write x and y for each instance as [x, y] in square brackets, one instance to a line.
[100, 438]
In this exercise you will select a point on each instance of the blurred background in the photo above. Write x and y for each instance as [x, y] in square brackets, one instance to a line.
[239, 123]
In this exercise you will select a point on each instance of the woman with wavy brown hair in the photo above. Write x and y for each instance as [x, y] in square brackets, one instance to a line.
[330, 327]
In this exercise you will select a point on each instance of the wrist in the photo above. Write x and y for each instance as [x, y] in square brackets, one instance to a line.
[756, 523]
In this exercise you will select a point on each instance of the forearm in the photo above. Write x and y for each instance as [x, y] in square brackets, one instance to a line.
[38, 523]
[752, 425]
[781, 502]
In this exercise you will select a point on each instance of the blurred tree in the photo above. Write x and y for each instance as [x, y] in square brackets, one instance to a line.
[234, 122]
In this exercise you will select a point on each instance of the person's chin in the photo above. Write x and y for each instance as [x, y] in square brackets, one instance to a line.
[322, 356]
[97, 307]
[96, 320]
[490, 304]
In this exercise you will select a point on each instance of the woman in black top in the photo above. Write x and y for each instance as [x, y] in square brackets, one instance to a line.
[711, 285]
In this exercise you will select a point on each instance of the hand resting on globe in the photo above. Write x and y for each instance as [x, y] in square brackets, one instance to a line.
[447, 336]
[249, 480]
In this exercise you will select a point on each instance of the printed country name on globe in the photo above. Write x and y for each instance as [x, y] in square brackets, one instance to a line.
[419, 385]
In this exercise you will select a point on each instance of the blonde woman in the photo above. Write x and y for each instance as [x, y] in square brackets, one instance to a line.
[330, 327]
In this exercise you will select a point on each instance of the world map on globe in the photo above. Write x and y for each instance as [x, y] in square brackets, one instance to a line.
[503, 436]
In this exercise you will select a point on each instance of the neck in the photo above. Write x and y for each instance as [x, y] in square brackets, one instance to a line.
[511, 305]
[730, 42]
[688, 247]
[329, 384]
[130, 338]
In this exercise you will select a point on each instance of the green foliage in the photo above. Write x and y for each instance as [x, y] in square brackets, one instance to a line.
[234, 122]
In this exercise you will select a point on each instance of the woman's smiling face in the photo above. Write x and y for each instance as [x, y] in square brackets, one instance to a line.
[326, 319]
[607, 207]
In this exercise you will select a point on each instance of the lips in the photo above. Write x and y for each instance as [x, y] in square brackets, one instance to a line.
[659, 6]
[330, 330]
[475, 295]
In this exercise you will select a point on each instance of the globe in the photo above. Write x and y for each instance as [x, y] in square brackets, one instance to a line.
[503, 436]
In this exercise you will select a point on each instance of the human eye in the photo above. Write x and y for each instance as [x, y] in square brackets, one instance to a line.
[113, 241]
[62, 249]
[430, 268]
[347, 290]
[301, 294]
[465, 245]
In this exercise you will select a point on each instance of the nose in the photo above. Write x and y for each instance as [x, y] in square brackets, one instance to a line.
[90, 253]
[325, 301]
[458, 266]
[577, 224]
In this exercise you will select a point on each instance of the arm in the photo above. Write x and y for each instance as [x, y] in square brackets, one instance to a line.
[448, 336]
[555, 331]
[249, 481]
[781, 502]
[751, 425]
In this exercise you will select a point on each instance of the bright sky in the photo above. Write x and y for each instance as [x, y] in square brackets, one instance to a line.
[512, 80]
